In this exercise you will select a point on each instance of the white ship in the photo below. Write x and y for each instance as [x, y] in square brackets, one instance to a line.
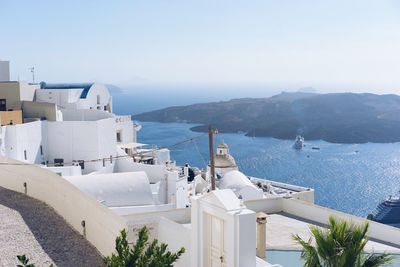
[387, 211]
[298, 143]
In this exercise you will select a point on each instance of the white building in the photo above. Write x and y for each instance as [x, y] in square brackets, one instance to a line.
[76, 96]
[4, 71]
[62, 124]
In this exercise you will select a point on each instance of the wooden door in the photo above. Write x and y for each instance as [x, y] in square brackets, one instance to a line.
[217, 255]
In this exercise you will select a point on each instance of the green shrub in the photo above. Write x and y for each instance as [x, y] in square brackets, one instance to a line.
[142, 254]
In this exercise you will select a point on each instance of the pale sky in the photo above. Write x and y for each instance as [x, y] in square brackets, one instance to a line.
[330, 45]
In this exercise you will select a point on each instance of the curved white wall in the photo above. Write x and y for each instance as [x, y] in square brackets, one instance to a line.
[102, 225]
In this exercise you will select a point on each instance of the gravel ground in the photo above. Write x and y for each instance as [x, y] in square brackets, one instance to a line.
[28, 226]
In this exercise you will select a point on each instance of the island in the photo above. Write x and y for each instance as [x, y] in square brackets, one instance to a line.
[334, 117]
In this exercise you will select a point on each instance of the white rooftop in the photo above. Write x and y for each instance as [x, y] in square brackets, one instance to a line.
[281, 226]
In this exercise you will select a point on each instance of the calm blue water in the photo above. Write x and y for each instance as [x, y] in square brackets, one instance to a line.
[343, 179]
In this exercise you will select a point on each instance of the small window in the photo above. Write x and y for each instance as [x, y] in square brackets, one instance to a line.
[58, 162]
[119, 136]
[41, 150]
[82, 164]
[25, 156]
[98, 99]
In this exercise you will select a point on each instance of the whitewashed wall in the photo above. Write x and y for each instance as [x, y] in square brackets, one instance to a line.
[25, 137]
[124, 125]
[85, 114]
[154, 172]
[102, 225]
[70, 98]
[27, 91]
[83, 140]
[90, 101]
[63, 98]
[176, 236]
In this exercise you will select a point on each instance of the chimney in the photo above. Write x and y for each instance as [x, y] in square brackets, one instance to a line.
[261, 239]
[4, 71]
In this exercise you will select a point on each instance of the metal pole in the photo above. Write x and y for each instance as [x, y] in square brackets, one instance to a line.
[33, 74]
[212, 162]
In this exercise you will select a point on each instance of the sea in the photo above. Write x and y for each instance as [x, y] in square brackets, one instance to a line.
[352, 178]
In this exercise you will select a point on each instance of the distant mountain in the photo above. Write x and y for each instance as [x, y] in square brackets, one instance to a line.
[337, 118]
[114, 89]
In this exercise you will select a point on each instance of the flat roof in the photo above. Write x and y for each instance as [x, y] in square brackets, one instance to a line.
[132, 145]
[281, 226]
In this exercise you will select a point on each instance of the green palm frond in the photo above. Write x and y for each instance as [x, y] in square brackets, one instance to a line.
[375, 260]
[340, 244]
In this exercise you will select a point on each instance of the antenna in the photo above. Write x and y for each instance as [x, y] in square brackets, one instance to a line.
[33, 74]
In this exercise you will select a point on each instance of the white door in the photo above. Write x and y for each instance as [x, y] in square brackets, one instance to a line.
[217, 255]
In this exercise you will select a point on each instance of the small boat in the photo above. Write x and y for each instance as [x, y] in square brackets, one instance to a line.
[299, 142]
[387, 212]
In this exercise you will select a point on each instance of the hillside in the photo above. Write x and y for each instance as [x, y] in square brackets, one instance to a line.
[338, 118]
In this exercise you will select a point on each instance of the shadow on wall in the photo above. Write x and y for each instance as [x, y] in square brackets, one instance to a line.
[64, 245]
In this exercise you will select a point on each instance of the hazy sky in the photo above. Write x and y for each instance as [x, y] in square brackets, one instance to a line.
[330, 45]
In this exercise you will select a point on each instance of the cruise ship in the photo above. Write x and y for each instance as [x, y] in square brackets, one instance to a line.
[387, 212]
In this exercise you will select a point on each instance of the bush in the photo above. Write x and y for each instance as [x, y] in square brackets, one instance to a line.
[142, 254]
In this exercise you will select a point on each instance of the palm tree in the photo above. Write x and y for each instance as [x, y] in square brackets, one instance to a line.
[339, 245]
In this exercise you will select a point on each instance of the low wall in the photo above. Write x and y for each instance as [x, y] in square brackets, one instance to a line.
[321, 215]
[270, 205]
[176, 236]
[176, 215]
[102, 226]
[154, 172]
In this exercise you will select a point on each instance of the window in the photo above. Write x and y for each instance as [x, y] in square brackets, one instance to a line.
[58, 162]
[82, 164]
[98, 99]
[119, 136]
[3, 104]
[25, 156]
[41, 150]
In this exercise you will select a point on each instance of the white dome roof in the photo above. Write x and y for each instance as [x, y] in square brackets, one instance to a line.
[240, 184]
[234, 180]
[116, 189]
[223, 161]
